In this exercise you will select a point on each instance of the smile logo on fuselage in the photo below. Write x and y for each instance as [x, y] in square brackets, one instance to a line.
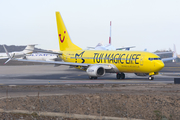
[62, 40]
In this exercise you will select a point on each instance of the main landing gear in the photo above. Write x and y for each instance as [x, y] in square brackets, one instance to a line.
[151, 77]
[120, 75]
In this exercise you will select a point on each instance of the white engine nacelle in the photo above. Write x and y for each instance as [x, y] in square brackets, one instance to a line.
[17, 54]
[95, 71]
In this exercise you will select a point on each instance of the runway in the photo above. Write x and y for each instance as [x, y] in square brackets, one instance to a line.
[48, 74]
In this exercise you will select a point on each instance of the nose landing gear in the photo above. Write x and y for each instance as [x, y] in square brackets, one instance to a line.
[151, 77]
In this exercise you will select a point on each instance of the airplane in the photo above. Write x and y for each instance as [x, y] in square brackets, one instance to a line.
[42, 56]
[37, 56]
[98, 62]
[100, 46]
[18, 54]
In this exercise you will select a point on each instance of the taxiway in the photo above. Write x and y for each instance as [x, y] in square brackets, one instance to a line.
[48, 74]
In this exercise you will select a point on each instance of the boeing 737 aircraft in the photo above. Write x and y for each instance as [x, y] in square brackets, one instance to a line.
[98, 62]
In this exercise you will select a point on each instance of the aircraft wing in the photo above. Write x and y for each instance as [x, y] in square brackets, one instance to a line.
[126, 48]
[171, 58]
[167, 59]
[109, 67]
[53, 62]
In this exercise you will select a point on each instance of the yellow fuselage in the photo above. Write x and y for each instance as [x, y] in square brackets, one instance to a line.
[125, 61]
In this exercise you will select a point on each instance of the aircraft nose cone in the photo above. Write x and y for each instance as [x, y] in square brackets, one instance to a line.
[160, 65]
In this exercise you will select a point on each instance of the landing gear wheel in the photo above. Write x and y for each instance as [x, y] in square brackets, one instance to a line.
[118, 75]
[151, 78]
[122, 75]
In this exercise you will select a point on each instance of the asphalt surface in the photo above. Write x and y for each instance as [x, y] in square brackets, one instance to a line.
[48, 74]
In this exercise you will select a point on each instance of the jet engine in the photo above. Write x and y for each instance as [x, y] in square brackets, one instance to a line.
[95, 71]
[17, 54]
[141, 74]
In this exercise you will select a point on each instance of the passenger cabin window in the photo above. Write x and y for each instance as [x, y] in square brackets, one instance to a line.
[154, 58]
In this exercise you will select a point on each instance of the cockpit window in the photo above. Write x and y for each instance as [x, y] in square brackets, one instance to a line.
[157, 58]
[150, 58]
[154, 58]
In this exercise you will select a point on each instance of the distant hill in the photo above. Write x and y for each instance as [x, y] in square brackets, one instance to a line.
[12, 48]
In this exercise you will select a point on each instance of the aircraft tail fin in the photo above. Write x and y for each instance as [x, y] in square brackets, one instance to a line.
[29, 49]
[174, 54]
[65, 42]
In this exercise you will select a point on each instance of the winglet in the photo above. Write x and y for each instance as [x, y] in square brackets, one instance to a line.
[171, 58]
[174, 52]
[9, 56]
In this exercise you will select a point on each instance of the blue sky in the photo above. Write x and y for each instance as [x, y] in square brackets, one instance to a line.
[151, 24]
